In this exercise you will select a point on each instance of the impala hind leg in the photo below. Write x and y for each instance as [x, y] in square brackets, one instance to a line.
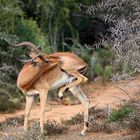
[78, 93]
[79, 79]
[29, 102]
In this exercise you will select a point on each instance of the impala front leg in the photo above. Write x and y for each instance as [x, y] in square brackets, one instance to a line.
[29, 101]
[43, 100]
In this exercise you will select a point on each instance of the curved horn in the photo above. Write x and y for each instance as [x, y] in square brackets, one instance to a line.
[31, 60]
[29, 44]
[34, 47]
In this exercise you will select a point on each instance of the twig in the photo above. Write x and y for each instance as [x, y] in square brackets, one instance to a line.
[119, 98]
[126, 93]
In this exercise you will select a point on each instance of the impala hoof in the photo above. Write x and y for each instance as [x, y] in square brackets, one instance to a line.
[82, 133]
[25, 131]
[42, 131]
[61, 97]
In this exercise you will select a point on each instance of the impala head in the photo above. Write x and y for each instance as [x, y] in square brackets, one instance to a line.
[30, 60]
[33, 48]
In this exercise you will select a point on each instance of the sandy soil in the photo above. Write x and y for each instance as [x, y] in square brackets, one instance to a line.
[100, 95]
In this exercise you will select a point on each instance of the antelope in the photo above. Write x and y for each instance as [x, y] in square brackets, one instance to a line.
[42, 73]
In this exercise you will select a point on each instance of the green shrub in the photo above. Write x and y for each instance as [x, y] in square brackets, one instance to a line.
[107, 72]
[9, 11]
[119, 115]
[98, 69]
[105, 56]
[99, 64]
[85, 56]
[7, 105]
[28, 30]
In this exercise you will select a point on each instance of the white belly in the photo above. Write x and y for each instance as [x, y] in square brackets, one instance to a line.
[65, 79]
[61, 82]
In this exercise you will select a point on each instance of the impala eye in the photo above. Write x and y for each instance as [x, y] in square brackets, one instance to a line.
[35, 63]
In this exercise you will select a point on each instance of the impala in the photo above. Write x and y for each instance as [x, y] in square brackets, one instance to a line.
[42, 73]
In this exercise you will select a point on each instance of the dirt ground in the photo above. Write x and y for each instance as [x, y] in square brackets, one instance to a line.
[101, 95]
[96, 136]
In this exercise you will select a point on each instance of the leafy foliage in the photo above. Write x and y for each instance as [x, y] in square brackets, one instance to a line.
[120, 114]
[9, 12]
[99, 64]
[98, 69]
[57, 23]
[108, 72]
[28, 30]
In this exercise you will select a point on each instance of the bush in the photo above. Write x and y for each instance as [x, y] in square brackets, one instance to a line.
[8, 103]
[53, 127]
[119, 115]
[8, 106]
[9, 12]
[108, 72]
[98, 69]
[99, 64]
[123, 18]
[28, 30]
[13, 121]
[12, 131]
[77, 119]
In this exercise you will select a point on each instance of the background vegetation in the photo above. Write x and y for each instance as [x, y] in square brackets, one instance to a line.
[105, 33]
